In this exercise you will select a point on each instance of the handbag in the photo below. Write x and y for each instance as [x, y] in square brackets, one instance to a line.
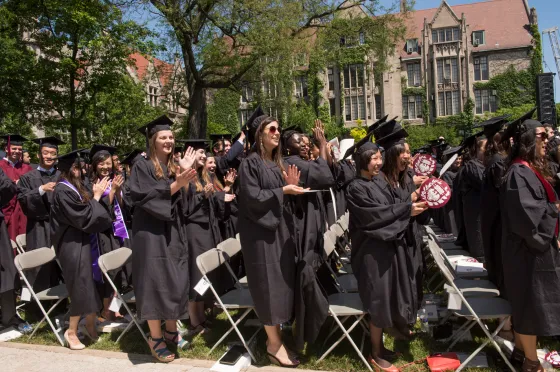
[443, 362]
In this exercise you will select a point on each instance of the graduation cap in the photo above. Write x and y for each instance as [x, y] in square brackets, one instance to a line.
[66, 161]
[389, 134]
[378, 123]
[361, 146]
[197, 144]
[99, 149]
[52, 142]
[223, 137]
[156, 125]
[452, 150]
[13, 139]
[179, 145]
[131, 157]
[513, 125]
[493, 125]
[470, 140]
[254, 122]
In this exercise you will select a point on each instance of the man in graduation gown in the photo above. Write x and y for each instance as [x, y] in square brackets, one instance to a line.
[14, 168]
[35, 192]
[231, 158]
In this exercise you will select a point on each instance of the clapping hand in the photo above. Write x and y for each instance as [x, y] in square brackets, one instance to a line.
[208, 189]
[292, 175]
[99, 188]
[188, 159]
[117, 182]
[231, 175]
[48, 187]
[185, 177]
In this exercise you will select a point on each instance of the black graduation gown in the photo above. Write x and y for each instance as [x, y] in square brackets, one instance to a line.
[448, 210]
[267, 235]
[229, 160]
[160, 258]
[344, 172]
[203, 233]
[72, 223]
[531, 259]
[8, 270]
[458, 210]
[471, 185]
[37, 208]
[490, 220]
[309, 209]
[378, 224]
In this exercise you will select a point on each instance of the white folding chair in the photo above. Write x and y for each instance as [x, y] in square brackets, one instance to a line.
[32, 260]
[21, 241]
[111, 261]
[344, 283]
[475, 309]
[16, 247]
[238, 299]
[231, 247]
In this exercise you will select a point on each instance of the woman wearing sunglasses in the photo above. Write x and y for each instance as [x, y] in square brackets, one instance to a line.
[266, 231]
[531, 259]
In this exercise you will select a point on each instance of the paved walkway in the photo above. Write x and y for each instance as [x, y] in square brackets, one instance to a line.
[38, 358]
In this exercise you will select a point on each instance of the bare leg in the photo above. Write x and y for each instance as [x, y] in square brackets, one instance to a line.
[196, 313]
[156, 334]
[90, 325]
[529, 345]
[377, 346]
[71, 334]
[275, 347]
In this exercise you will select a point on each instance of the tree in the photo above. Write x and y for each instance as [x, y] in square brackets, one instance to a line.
[222, 41]
[84, 47]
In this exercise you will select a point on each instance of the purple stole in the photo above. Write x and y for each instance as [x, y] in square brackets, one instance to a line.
[94, 245]
[119, 227]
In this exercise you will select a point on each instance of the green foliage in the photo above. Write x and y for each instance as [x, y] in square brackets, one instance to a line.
[303, 116]
[537, 54]
[358, 133]
[513, 88]
[222, 112]
[419, 135]
[414, 91]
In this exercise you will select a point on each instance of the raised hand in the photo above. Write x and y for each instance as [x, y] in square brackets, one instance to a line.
[188, 159]
[99, 188]
[292, 175]
[231, 175]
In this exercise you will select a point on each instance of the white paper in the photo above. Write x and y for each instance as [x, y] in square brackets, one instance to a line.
[202, 286]
[115, 305]
[345, 144]
[454, 301]
[25, 294]
[469, 267]
[335, 147]
[306, 191]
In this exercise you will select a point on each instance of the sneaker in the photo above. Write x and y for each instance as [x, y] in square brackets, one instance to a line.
[24, 328]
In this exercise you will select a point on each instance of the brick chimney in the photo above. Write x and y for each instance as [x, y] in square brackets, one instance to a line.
[404, 6]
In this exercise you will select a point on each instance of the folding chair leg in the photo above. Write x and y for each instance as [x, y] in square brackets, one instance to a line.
[42, 320]
[332, 331]
[459, 335]
[229, 330]
[346, 335]
[128, 326]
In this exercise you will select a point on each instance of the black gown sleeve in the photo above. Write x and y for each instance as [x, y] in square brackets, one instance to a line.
[149, 193]
[474, 174]
[262, 206]
[31, 201]
[530, 215]
[318, 175]
[7, 189]
[373, 216]
[90, 217]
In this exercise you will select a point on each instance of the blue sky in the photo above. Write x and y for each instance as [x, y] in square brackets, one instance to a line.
[548, 13]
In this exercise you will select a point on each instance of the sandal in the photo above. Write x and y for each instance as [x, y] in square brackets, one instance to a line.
[162, 354]
[517, 357]
[202, 328]
[532, 366]
[377, 367]
[180, 343]
[274, 360]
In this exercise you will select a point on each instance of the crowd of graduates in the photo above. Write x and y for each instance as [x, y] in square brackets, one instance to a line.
[278, 191]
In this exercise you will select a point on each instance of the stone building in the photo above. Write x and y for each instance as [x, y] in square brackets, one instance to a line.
[433, 72]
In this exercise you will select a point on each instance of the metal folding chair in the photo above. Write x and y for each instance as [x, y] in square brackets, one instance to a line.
[32, 260]
[16, 247]
[238, 299]
[230, 247]
[344, 283]
[475, 309]
[21, 241]
[111, 261]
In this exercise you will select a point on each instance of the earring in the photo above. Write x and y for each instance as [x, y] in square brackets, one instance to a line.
[288, 152]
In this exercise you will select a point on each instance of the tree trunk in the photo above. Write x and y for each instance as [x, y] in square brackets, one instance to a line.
[198, 116]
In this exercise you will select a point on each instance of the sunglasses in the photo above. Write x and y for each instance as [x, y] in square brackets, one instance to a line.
[542, 135]
[273, 130]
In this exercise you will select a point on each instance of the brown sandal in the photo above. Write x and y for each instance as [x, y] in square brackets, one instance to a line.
[532, 366]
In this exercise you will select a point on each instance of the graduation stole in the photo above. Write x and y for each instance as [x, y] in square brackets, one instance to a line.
[93, 242]
[119, 227]
[550, 194]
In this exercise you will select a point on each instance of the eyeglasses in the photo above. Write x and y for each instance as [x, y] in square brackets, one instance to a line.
[542, 135]
[273, 130]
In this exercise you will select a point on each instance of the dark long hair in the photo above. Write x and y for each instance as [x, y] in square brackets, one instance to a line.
[525, 148]
[390, 166]
[496, 146]
[258, 147]
[362, 160]
[99, 157]
[77, 183]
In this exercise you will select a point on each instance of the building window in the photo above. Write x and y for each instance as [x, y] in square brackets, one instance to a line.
[448, 103]
[481, 68]
[412, 46]
[331, 79]
[412, 107]
[444, 35]
[153, 96]
[272, 112]
[269, 89]
[378, 106]
[413, 71]
[244, 116]
[246, 94]
[354, 108]
[447, 70]
[332, 104]
[354, 76]
[300, 60]
[362, 38]
[301, 86]
[484, 101]
[347, 109]
[350, 41]
[478, 38]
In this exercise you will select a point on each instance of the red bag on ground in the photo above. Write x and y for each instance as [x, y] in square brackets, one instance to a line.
[443, 362]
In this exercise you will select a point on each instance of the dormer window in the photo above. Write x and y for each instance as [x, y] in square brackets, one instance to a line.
[478, 38]
[412, 46]
[444, 35]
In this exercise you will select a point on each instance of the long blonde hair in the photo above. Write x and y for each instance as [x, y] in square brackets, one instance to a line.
[171, 168]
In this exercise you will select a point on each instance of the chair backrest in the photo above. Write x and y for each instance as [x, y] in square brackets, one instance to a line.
[337, 230]
[14, 244]
[343, 222]
[114, 259]
[237, 236]
[21, 240]
[34, 258]
[329, 239]
[210, 260]
[435, 250]
[230, 247]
